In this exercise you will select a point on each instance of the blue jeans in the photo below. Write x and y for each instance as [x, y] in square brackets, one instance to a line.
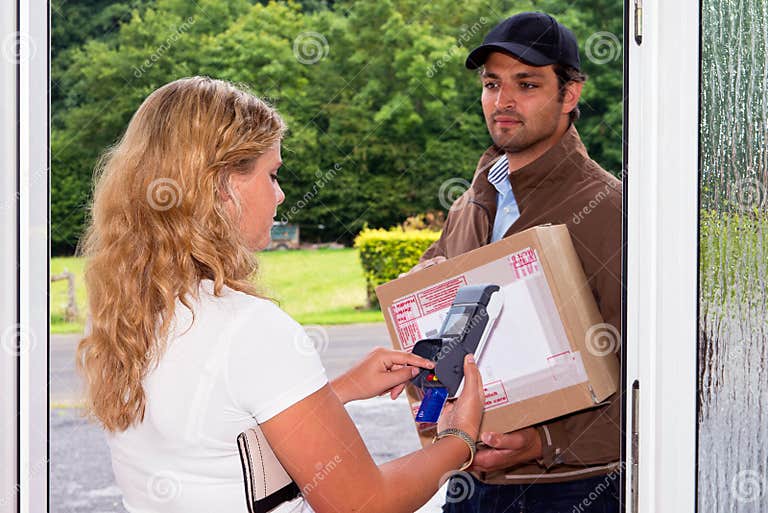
[592, 495]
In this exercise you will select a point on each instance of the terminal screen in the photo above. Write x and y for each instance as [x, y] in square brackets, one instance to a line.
[456, 323]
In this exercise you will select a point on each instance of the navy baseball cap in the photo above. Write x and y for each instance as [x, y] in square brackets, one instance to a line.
[533, 37]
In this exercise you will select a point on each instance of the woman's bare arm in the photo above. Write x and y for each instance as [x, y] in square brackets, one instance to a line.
[320, 447]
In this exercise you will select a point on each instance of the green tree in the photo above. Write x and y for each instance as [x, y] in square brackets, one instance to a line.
[380, 108]
[598, 26]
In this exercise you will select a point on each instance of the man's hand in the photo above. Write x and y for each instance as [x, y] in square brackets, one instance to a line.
[424, 265]
[507, 450]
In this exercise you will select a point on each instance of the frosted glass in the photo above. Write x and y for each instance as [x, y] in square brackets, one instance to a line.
[733, 325]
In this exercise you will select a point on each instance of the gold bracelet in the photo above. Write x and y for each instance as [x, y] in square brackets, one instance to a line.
[463, 435]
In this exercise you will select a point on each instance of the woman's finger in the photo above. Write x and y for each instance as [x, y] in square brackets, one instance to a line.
[406, 358]
[395, 392]
[388, 380]
[447, 410]
[472, 378]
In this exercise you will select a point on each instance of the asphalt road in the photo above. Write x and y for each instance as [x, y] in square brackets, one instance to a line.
[81, 473]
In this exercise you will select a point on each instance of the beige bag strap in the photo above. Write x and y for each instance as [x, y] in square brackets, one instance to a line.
[267, 484]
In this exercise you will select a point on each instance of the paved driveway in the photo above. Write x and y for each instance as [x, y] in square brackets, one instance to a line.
[81, 475]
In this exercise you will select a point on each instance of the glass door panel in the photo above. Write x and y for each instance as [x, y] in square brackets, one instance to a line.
[733, 258]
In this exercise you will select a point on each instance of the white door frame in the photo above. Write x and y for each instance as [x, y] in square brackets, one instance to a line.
[24, 257]
[662, 239]
[8, 262]
[662, 266]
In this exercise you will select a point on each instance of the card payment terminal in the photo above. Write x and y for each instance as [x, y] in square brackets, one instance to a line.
[465, 330]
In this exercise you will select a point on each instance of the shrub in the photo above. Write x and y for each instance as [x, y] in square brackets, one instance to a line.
[432, 220]
[385, 254]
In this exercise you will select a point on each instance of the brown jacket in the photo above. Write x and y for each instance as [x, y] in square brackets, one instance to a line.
[563, 186]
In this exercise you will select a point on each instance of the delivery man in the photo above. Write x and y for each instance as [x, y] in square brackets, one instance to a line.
[537, 171]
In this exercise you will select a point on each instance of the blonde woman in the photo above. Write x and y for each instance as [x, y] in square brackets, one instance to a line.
[182, 353]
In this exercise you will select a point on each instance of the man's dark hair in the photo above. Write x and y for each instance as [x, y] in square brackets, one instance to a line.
[566, 74]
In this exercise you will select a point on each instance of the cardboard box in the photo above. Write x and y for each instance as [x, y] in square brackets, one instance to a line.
[547, 355]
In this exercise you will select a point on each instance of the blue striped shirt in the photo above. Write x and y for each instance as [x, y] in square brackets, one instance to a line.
[506, 205]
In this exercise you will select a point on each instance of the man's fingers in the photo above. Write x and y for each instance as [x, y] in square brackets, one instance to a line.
[516, 440]
[432, 261]
[512, 441]
[488, 460]
[490, 439]
[424, 265]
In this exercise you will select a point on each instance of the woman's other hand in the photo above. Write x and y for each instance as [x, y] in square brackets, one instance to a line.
[382, 371]
[466, 412]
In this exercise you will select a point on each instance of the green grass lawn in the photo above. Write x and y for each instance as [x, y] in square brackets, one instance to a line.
[324, 286]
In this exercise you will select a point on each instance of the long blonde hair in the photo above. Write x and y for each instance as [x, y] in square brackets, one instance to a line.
[158, 226]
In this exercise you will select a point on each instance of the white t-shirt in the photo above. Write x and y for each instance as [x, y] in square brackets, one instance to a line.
[242, 361]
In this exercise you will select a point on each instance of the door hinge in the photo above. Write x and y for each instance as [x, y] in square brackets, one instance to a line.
[638, 21]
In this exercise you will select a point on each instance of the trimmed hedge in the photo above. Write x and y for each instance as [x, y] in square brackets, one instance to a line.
[385, 254]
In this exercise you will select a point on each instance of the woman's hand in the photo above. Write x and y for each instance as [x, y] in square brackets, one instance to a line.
[466, 411]
[383, 370]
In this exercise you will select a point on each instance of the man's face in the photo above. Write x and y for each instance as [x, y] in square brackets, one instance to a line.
[521, 103]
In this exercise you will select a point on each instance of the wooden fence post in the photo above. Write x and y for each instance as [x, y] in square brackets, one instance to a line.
[71, 313]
